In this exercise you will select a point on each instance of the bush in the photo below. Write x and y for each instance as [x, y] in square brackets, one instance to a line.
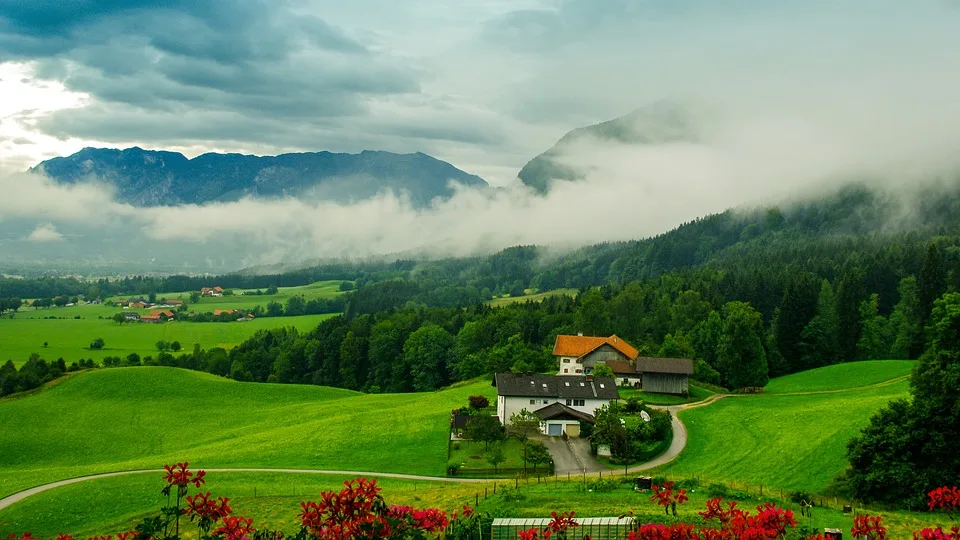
[724, 492]
[453, 467]
[800, 496]
[478, 402]
[601, 485]
[456, 445]
[511, 495]
[97, 343]
[634, 405]
[689, 484]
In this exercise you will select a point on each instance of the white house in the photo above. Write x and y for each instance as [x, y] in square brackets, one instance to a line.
[561, 402]
[578, 355]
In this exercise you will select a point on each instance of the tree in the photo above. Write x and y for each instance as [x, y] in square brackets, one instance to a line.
[119, 318]
[538, 453]
[797, 308]
[152, 298]
[97, 343]
[850, 293]
[602, 370]
[906, 321]
[272, 290]
[428, 351]
[909, 448]
[175, 346]
[162, 345]
[133, 359]
[609, 431]
[820, 339]
[274, 309]
[494, 456]
[932, 280]
[484, 428]
[295, 306]
[478, 402]
[524, 424]
[874, 334]
[741, 349]
[195, 297]
[592, 317]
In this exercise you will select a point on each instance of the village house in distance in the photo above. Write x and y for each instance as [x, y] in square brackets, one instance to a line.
[579, 355]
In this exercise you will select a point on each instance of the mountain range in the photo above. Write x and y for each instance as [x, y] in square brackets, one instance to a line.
[159, 178]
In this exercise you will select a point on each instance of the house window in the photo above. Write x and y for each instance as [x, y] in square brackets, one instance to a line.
[565, 370]
[578, 403]
[569, 402]
[545, 402]
[566, 360]
[533, 402]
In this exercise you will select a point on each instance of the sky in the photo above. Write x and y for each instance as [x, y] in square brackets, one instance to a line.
[784, 97]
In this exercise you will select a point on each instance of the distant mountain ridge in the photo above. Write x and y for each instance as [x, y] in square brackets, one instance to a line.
[658, 123]
[156, 177]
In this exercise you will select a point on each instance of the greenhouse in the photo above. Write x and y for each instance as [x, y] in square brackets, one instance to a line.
[600, 528]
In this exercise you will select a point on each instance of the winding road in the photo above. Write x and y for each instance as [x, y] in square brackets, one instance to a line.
[677, 444]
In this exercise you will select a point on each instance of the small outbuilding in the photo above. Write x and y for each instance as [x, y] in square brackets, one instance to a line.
[665, 375]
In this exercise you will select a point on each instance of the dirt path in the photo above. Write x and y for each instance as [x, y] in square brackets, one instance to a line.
[17, 497]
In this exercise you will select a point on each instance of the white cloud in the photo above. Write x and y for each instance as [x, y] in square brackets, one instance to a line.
[44, 233]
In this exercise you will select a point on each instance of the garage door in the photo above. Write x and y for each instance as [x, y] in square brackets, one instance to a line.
[554, 430]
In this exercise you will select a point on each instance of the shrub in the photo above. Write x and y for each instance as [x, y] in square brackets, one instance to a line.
[689, 484]
[97, 343]
[724, 492]
[453, 467]
[634, 405]
[478, 402]
[800, 496]
[456, 445]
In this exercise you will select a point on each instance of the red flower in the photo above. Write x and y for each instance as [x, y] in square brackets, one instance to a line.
[868, 527]
[932, 534]
[180, 475]
[234, 528]
[529, 534]
[944, 498]
[204, 506]
[560, 523]
[467, 511]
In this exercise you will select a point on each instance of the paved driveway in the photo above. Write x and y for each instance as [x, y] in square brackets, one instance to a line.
[571, 456]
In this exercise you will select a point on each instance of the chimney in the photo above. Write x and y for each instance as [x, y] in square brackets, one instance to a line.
[589, 378]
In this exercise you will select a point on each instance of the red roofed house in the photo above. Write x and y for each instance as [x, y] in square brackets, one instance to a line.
[162, 314]
[215, 291]
[150, 318]
[578, 355]
[218, 312]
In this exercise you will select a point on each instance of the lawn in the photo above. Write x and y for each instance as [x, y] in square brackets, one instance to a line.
[108, 505]
[841, 376]
[131, 418]
[791, 442]
[536, 297]
[471, 456]
[696, 394]
[70, 338]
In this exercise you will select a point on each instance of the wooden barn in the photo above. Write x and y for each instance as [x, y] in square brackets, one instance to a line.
[665, 375]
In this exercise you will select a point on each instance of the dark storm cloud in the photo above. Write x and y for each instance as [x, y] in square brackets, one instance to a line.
[168, 69]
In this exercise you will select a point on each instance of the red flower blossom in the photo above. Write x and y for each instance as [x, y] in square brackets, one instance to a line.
[467, 511]
[203, 506]
[868, 527]
[234, 528]
[529, 534]
[932, 534]
[180, 475]
[944, 498]
[560, 523]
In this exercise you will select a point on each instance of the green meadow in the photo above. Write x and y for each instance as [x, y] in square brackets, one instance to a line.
[108, 505]
[788, 441]
[133, 418]
[70, 338]
[534, 297]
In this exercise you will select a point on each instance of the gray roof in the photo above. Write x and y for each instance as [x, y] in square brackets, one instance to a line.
[677, 366]
[558, 410]
[556, 386]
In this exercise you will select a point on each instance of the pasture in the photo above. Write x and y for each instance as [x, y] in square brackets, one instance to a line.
[108, 505]
[535, 297]
[70, 338]
[132, 418]
[788, 441]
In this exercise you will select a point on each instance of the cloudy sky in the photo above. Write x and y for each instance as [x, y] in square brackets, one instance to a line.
[788, 93]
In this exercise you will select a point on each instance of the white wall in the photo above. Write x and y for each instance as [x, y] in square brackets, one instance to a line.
[571, 365]
[507, 406]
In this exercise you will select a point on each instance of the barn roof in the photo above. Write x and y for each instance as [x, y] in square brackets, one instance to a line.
[559, 410]
[677, 366]
[577, 346]
[557, 386]
[620, 367]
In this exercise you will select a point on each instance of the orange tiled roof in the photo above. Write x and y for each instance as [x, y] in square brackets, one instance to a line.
[222, 311]
[577, 346]
[166, 312]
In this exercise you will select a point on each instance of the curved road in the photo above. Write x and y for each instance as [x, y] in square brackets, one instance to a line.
[677, 444]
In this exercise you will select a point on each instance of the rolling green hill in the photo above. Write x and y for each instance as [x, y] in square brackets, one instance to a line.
[130, 418]
[793, 441]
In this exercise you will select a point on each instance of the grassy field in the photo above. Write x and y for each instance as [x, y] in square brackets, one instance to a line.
[70, 338]
[130, 418]
[841, 376]
[108, 505]
[320, 289]
[787, 441]
[535, 297]
[471, 455]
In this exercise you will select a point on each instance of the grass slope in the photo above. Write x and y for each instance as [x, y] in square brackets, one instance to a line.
[787, 441]
[69, 338]
[536, 297]
[841, 376]
[109, 505]
[121, 419]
